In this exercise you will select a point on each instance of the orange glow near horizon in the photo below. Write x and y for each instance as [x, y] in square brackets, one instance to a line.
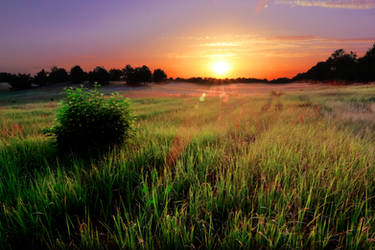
[221, 56]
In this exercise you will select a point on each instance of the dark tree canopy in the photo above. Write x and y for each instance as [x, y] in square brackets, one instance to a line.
[367, 65]
[129, 74]
[5, 77]
[159, 75]
[144, 74]
[58, 75]
[77, 75]
[99, 75]
[137, 75]
[41, 78]
[20, 81]
[115, 74]
[342, 66]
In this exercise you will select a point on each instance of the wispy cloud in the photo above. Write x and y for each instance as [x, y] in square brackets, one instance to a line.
[343, 4]
[288, 46]
[296, 38]
[312, 38]
[221, 44]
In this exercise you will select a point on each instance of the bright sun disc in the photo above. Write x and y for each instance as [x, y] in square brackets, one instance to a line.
[220, 68]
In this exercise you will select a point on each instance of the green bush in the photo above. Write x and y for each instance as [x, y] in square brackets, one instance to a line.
[88, 120]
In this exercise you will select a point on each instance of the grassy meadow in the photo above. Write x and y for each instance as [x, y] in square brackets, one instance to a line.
[274, 170]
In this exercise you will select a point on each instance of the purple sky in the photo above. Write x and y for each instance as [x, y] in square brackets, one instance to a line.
[258, 38]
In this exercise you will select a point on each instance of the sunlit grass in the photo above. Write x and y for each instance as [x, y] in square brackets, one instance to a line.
[272, 171]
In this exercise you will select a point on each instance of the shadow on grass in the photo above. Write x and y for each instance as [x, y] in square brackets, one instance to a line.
[26, 157]
[61, 203]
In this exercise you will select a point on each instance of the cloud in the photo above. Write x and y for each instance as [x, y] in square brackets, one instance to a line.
[221, 44]
[296, 38]
[237, 46]
[342, 4]
[312, 38]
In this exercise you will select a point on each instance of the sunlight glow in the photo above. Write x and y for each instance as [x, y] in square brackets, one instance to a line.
[220, 68]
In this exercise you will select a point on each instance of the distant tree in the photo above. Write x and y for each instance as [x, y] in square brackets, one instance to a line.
[366, 65]
[115, 74]
[321, 72]
[371, 52]
[129, 74]
[41, 78]
[58, 75]
[6, 77]
[342, 65]
[137, 75]
[159, 75]
[77, 75]
[281, 80]
[99, 75]
[20, 81]
[144, 74]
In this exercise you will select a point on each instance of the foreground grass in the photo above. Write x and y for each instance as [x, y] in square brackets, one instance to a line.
[289, 171]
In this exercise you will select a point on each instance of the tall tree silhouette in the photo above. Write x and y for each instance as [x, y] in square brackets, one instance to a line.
[58, 75]
[5, 77]
[144, 74]
[137, 75]
[129, 74]
[366, 65]
[20, 81]
[41, 78]
[342, 65]
[77, 75]
[99, 75]
[115, 74]
[159, 75]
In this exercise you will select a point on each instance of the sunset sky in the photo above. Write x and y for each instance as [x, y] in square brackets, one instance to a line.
[253, 38]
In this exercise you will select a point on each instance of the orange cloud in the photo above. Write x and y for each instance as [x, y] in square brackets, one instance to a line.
[296, 38]
[221, 44]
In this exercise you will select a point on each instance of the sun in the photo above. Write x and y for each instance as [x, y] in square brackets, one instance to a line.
[220, 68]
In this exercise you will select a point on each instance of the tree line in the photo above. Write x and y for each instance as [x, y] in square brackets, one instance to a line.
[211, 80]
[138, 75]
[340, 66]
[343, 66]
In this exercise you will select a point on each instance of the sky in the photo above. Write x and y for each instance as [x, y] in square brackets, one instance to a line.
[186, 38]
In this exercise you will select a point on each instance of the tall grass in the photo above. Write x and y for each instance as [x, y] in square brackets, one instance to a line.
[270, 171]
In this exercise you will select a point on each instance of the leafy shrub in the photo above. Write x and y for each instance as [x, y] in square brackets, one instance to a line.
[88, 120]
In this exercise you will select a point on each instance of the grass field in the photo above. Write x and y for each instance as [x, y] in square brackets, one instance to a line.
[272, 170]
